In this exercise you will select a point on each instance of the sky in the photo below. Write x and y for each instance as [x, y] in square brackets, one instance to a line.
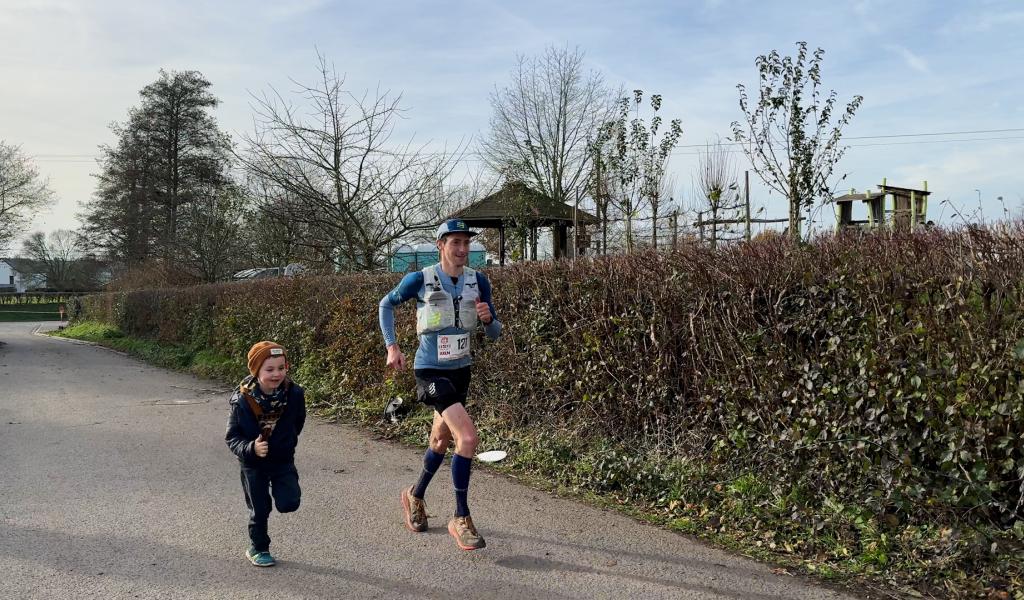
[70, 68]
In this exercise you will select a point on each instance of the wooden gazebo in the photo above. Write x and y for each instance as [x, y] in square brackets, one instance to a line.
[517, 205]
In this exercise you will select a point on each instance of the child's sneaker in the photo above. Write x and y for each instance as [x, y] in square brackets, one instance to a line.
[465, 534]
[260, 559]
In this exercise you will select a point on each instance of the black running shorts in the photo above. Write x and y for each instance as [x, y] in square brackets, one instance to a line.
[441, 388]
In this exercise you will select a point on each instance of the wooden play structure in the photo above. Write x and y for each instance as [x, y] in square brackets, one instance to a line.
[890, 206]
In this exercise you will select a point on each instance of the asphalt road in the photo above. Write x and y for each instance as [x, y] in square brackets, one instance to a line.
[115, 483]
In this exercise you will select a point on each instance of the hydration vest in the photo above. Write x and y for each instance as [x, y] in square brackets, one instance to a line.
[440, 310]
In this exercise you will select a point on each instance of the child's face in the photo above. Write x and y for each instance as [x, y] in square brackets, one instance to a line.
[272, 373]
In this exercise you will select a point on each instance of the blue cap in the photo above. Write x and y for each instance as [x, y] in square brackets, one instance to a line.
[454, 226]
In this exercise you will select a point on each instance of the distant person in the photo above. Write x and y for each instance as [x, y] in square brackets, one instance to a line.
[450, 300]
[268, 411]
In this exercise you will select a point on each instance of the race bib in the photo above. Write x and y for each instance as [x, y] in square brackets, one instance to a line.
[452, 347]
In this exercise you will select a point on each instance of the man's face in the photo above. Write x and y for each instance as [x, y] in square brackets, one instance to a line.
[454, 249]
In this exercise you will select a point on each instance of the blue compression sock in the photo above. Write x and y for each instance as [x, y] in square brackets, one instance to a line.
[460, 478]
[431, 461]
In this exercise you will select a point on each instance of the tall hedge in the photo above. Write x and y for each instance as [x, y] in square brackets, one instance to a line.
[882, 372]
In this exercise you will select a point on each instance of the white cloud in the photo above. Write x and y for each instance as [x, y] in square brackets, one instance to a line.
[912, 60]
[864, 11]
[279, 11]
[983, 22]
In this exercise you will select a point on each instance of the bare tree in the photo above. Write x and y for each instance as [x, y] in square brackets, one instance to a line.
[209, 240]
[716, 188]
[788, 133]
[276, 239]
[664, 207]
[331, 157]
[543, 123]
[57, 258]
[22, 192]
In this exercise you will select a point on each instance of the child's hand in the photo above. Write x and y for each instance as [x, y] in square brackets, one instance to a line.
[483, 311]
[262, 447]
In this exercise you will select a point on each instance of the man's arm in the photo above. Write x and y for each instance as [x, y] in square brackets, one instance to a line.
[406, 290]
[493, 327]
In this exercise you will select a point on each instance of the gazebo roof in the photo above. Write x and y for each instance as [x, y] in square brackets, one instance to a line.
[515, 201]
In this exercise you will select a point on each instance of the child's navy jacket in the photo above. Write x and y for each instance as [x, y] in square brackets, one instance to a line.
[286, 417]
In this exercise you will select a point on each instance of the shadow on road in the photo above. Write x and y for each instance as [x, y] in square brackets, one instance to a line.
[703, 570]
[144, 562]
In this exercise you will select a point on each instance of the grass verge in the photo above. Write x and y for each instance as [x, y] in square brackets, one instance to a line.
[42, 311]
[200, 362]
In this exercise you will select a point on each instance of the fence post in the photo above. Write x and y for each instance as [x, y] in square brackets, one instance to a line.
[675, 229]
[746, 194]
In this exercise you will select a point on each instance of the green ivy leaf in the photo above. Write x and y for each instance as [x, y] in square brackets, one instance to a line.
[1018, 352]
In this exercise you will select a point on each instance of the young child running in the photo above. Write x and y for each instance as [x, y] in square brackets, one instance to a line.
[268, 411]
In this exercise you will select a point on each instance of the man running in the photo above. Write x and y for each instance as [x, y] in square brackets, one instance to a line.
[450, 300]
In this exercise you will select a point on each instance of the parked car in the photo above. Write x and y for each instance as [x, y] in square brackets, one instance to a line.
[263, 272]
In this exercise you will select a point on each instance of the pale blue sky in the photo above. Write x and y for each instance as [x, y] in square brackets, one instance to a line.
[71, 67]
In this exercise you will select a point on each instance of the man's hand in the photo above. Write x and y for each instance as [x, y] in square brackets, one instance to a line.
[396, 360]
[484, 312]
[261, 447]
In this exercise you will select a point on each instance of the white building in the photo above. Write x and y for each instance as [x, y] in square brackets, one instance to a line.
[9, 277]
[12, 281]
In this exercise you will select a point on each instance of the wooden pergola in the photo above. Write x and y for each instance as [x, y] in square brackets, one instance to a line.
[517, 205]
